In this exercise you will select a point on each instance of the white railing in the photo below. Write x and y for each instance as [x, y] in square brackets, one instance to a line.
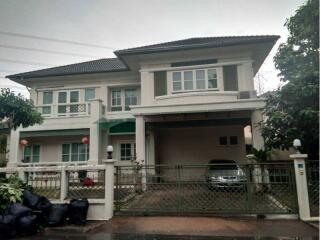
[63, 182]
[64, 110]
[43, 164]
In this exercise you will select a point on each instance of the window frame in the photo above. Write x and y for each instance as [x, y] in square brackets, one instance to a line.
[195, 80]
[228, 141]
[47, 105]
[70, 153]
[122, 105]
[85, 94]
[32, 155]
[68, 102]
[132, 149]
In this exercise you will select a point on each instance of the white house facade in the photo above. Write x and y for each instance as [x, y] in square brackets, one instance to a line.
[178, 102]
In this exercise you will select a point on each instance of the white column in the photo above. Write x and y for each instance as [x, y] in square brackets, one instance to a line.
[15, 149]
[64, 184]
[141, 148]
[22, 175]
[95, 136]
[147, 88]
[257, 140]
[302, 186]
[8, 146]
[109, 188]
[150, 149]
[140, 139]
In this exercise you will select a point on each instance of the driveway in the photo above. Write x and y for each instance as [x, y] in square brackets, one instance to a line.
[196, 228]
[198, 198]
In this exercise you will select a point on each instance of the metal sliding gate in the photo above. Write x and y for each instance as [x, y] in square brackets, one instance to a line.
[264, 188]
[312, 167]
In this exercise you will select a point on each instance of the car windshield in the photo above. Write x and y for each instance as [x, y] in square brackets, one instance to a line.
[222, 165]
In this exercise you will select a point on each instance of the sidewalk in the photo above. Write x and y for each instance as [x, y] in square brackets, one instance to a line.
[196, 228]
[211, 226]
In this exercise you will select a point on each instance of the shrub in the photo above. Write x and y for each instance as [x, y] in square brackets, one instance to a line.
[11, 190]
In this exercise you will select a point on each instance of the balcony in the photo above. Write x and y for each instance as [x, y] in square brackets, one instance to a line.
[64, 110]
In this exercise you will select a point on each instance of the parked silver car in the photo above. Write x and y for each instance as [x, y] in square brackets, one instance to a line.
[225, 173]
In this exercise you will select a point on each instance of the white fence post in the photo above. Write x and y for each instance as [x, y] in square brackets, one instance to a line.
[22, 175]
[109, 188]
[302, 185]
[64, 181]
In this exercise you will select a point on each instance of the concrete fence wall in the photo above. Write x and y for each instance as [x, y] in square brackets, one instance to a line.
[100, 208]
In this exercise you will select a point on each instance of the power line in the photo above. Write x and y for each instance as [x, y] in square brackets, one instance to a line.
[48, 51]
[54, 40]
[25, 62]
[6, 71]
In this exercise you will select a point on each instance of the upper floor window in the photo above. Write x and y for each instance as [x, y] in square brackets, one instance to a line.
[195, 80]
[122, 99]
[65, 98]
[47, 100]
[89, 94]
[130, 98]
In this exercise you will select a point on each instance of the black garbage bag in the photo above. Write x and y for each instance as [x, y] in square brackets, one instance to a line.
[30, 199]
[27, 224]
[18, 210]
[78, 211]
[58, 214]
[43, 205]
[7, 226]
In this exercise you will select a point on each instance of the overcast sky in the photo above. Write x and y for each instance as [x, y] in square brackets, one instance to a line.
[36, 34]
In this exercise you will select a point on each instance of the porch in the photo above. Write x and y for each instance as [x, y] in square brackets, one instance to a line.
[196, 138]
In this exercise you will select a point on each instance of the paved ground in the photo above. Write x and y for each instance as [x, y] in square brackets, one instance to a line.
[210, 226]
[203, 228]
[197, 197]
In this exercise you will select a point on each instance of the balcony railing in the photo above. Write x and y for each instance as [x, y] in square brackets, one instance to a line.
[64, 110]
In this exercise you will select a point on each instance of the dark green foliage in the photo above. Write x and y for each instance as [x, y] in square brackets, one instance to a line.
[11, 190]
[18, 110]
[293, 110]
[261, 155]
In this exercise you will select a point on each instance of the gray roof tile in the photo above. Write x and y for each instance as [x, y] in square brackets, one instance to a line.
[115, 64]
[96, 66]
[192, 43]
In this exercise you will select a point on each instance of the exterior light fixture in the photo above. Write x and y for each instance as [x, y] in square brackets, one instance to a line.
[109, 151]
[297, 145]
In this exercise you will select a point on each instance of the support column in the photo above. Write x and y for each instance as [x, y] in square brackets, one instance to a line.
[141, 149]
[109, 188]
[64, 183]
[15, 149]
[302, 185]
[95, 135]
[140, 139]
[150, 149]
[257, 140]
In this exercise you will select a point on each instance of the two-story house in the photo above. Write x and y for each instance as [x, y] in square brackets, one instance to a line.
[184, 101]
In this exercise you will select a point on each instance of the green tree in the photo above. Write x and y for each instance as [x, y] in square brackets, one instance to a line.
[17, 111]
[293, 109]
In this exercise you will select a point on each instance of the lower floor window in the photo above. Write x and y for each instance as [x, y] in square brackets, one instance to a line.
[31, 153]
[127, 151]
[74, 152]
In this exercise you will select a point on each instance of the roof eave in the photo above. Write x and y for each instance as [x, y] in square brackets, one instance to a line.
[21, 78]
[121, 53]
